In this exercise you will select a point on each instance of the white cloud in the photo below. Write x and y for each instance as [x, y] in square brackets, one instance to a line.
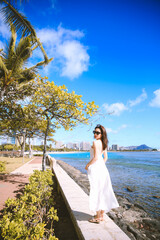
[4, 29]
[52, 38]
[122, 126]
[115, 108]
[118, 108]
[76, 59]
[156, 100]
[110, 130]
[70, 55]
[139, 99]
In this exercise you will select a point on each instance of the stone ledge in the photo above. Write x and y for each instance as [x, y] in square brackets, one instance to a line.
[77, 202]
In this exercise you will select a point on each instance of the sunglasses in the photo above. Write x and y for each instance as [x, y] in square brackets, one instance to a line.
[95, 132]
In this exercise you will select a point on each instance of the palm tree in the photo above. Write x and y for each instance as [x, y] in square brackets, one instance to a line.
[22, 26]
[13, 72]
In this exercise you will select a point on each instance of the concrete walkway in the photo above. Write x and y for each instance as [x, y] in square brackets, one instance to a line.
[29, 167]
[77, 202]
[11, 185]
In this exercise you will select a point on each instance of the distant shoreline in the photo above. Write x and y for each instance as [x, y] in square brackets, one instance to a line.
[58, 152]
[61, 152]
[67, 152]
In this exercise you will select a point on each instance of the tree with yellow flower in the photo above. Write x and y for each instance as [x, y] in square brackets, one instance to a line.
[59, 108]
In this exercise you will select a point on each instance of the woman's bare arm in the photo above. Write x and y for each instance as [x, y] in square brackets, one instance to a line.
[105, 155]
[94, 159]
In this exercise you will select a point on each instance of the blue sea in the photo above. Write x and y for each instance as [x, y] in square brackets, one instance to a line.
[138, 170]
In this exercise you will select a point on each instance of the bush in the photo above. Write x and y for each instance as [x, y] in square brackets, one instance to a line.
[32, 215]
[2, 166]
[8, 147]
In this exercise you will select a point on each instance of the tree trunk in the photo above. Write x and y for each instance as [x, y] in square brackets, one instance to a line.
[45, 146]
[30, 148]
[21, 150]
[23, 145]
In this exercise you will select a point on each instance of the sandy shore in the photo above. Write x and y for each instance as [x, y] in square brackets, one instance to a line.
[131, 218]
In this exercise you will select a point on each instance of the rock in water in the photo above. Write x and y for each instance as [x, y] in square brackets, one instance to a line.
[129, 189]
[156, 196]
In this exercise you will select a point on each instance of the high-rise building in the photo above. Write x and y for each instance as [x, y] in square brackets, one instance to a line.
[76, 146]
[85, 146]
[122, 148]
[69, 145]
[115, 147]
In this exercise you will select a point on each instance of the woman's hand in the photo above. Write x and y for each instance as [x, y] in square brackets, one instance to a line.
[87, 166]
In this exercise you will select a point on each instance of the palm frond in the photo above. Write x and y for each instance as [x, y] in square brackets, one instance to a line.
[14, 64]
[13, 1]
[3, 66]
[22, 53]
[20, 22]
[24, 49]
[12, 43]
[43, 51]
[37, 66]
[10, 49]
[27, 76]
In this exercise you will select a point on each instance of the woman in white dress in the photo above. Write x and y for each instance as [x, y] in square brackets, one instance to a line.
[102, 198]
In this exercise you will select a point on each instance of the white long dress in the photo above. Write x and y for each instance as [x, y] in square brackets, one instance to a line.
[101, 195]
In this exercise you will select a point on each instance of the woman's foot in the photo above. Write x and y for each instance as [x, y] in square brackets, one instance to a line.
[95, 220]
[102, 218]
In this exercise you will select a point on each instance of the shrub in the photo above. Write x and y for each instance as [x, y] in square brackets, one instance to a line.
[8, 147]
[2, 166]
[33, 214]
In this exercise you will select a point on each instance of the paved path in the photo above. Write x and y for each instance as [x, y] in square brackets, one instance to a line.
[29, 167]
[11, 185]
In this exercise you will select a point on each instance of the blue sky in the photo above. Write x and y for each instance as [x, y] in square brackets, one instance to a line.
[109, 52]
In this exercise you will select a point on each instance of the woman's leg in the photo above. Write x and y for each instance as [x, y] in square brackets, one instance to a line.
[98, 215]
[102, 214]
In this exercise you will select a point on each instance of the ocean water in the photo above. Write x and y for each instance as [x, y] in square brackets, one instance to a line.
[138, 170]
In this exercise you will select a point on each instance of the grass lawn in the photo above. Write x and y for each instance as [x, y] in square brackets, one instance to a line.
[13, 163]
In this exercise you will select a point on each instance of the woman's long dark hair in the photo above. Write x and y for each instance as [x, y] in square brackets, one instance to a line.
[104, 138]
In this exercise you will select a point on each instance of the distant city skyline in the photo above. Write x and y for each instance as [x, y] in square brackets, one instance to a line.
[73, 145]
[70, 145]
